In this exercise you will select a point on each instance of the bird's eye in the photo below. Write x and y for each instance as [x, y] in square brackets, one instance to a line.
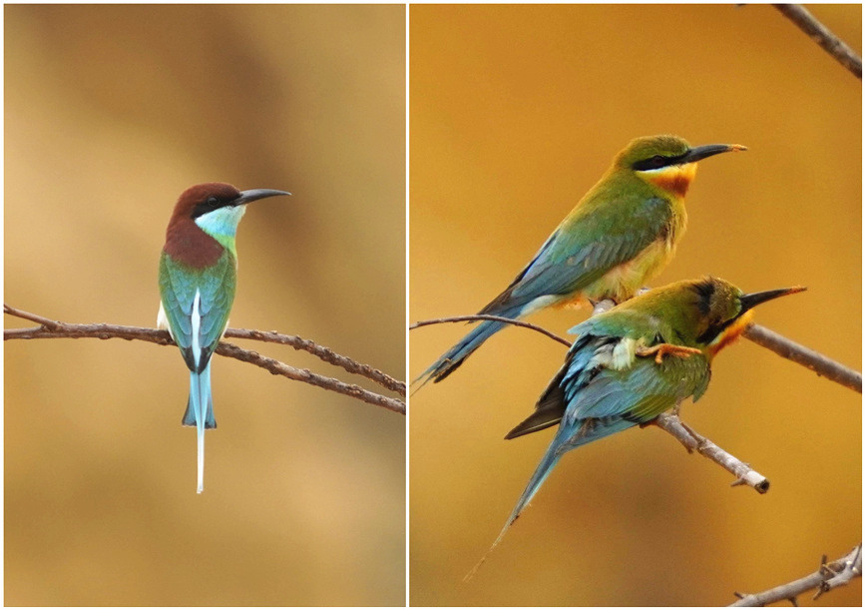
[658, 161]
[211, 200]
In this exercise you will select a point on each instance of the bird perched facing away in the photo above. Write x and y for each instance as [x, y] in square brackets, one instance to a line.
[197, 280]
[632, 363]
[618, 237]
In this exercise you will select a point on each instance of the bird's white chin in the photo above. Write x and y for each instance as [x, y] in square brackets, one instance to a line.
[222, 221]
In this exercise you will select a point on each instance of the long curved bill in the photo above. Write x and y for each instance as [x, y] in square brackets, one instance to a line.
[756, 298]
[256, 194]
[702, 152]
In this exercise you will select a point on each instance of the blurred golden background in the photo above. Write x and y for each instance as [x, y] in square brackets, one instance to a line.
[515, 112]
[111, 112]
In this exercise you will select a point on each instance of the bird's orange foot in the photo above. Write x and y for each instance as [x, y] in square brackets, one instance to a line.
[664, 349]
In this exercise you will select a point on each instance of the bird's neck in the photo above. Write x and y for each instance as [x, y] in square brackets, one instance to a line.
[187, 243]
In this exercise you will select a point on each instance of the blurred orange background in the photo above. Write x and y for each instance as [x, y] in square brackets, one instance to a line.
[515, 112]
[111, 112]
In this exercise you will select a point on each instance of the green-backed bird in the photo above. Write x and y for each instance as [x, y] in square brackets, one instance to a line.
[617, 238]
[635, 361]
[197, 280]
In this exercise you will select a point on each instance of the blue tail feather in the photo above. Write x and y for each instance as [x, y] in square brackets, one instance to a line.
[568, 437]
[189, 418]
[454, 357]
[199, 413]
[551, 457]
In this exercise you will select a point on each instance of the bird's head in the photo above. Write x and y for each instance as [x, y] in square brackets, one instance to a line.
[667, 162]
[215, 207]
[203, 199]
[717, 312]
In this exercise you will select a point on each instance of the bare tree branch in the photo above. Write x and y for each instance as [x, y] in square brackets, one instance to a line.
[693, 441]
[482, 316]
[829, 576]
[279, 368]
[323, 353]
[52, 329]
[811, 359]
[823, 36]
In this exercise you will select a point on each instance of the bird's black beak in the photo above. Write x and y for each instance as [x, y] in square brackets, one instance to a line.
[702, 152]
[748, 301]
[255, 195]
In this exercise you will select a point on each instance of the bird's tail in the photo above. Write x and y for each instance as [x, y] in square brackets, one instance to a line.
[199, 413]
[454, 357]
[551, 457]
[567, 437]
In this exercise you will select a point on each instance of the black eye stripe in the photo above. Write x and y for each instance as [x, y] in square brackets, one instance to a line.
[714, 331]
[656, 162]
[209, 205]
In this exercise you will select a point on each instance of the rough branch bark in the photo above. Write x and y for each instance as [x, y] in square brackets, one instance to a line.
[804, 356]
[52, 329]
[693, 441]
[823, 36]
[829, 576]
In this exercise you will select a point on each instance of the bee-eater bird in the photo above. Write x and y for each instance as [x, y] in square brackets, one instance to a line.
[197, 280]
[635, 361]
[618, 237]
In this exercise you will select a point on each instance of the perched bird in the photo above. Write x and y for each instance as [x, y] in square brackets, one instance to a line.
[635, 361]
[618, 237]
[197, 280]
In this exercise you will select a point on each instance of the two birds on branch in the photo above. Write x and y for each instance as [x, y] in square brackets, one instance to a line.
[650, 352]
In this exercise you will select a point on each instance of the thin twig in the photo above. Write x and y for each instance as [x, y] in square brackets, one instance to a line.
[829, 576]
[828, 41]
[482, 316]
[280, 368]
[323, 353]
[693, 441]
[52, 329]
[811, 359]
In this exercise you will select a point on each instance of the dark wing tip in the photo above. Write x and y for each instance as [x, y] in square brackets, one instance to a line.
[535, 422]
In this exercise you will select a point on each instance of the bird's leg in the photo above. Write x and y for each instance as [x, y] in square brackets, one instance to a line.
[664, 349]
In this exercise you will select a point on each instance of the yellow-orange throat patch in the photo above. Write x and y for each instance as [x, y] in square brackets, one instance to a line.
[674, 179]
[731, 333]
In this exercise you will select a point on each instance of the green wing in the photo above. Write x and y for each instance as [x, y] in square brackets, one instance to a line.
[215, 286]
[588, 244]
[588, 387]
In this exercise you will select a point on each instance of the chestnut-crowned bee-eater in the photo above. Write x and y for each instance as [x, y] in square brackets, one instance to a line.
[618, 237]
[630, 364]
[197, 280]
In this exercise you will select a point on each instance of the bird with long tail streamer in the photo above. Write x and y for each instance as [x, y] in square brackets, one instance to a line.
[197, 281]
[630, 364]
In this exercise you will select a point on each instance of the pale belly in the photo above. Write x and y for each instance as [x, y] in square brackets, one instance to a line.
[621, 282]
